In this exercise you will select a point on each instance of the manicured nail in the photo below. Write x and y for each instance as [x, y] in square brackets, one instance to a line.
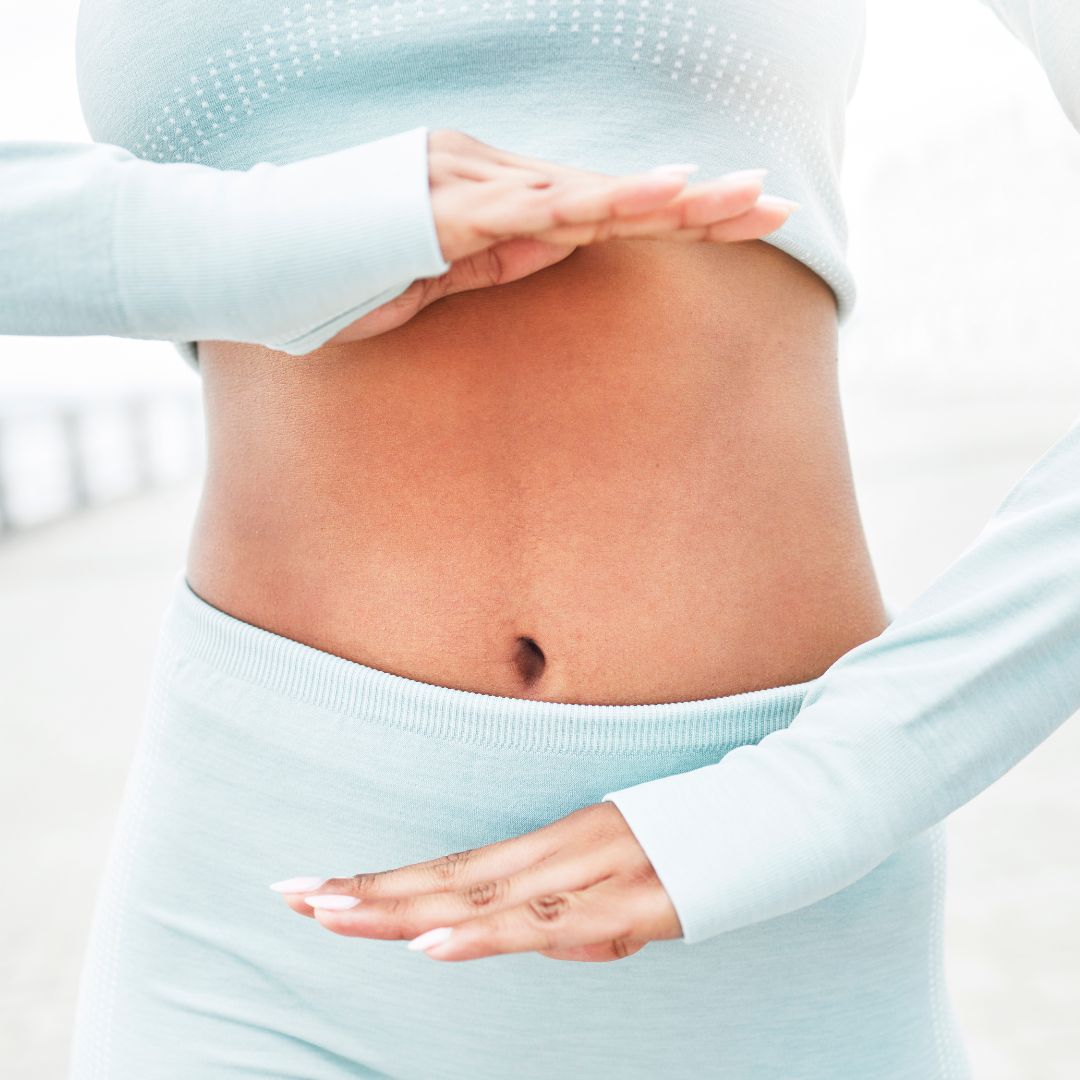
[676, 167]
[746, 174]
[431, 937]
[298, 884]
[332, 901]
[778, 202]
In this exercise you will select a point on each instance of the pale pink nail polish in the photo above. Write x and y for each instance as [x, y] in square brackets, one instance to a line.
[778, 202]
[431, 937]
[746, 174]
[298, 884]
[332, 901]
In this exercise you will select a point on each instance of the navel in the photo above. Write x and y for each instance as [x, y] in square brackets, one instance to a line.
[529, 660]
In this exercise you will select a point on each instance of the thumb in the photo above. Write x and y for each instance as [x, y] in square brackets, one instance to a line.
[502, 263]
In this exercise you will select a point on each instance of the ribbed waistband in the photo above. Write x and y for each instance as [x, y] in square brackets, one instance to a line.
[193, 628]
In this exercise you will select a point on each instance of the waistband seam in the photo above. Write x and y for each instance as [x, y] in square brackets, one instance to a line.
[269, 661]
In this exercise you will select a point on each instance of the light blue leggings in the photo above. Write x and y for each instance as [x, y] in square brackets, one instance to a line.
[262, 758]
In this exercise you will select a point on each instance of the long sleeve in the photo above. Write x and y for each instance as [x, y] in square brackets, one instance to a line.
[904, 729]
[95, 240]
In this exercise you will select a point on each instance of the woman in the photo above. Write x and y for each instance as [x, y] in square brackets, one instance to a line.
[502, 603]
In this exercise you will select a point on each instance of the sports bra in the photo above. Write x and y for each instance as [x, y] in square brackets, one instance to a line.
[260, 175]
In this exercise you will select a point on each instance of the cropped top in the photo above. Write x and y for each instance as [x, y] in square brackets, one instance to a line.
[260, 175]
[611, 85]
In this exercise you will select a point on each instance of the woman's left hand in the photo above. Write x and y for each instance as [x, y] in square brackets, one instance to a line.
[580, 888]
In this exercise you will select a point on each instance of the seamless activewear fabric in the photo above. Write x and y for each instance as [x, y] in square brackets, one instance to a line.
[259, 172]
[94, 240]
[600, 84]
[262, 757]
[180, 231]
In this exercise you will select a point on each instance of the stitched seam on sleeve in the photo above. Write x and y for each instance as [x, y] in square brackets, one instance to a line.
[388, 294]
[111, 254]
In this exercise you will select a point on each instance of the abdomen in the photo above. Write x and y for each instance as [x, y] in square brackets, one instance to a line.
[622, 479]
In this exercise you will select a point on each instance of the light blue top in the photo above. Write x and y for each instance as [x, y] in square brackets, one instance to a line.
[612, 85]
[95, 240]
[260, 175]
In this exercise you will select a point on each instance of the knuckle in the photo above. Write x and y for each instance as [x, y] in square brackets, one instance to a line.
[449, 868]
[549, 909]
[428, 291]
[494, 269]
[450, 140]
[556, 188]
[598, 829]
[394, 906]
[484, 893]
[641, 873]
[364, 883]
[620, 948]
[605, 827]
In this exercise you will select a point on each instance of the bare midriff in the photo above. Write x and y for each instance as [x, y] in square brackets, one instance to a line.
[623, 479]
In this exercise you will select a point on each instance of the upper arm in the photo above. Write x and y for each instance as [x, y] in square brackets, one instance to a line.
[1051, 31]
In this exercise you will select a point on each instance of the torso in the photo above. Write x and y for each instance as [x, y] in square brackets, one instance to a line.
[623, 479]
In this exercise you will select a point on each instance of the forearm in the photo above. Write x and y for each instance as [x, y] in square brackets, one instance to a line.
[897, 734]
[94, 240]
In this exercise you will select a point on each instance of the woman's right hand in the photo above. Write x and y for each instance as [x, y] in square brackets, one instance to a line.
[501, 216]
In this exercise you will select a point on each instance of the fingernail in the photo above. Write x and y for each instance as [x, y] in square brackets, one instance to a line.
[676, 167]
[332, 901]
[746, 174]
[778, 201]
[298, 884]
[431, 937]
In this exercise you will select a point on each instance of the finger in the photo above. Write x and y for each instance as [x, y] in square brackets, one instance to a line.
[612, 910]
[300, 905]
[615, 197]
[556, 170]
[473, 168]
[507, 261]
[601, 953]
[293, 890]
[696, 207]
[454, 871]
[760, 220]
[529, 163]
[720, 200]
[515, 210]
[395, 917]
[394, 312]
[589, 829]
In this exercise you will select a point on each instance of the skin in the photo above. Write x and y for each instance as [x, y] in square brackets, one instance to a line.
[578, 889]
[613, 429]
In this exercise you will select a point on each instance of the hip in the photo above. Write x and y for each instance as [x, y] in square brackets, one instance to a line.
[261, 757]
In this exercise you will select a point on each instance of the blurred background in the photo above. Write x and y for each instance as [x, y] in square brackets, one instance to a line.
[959, 367]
